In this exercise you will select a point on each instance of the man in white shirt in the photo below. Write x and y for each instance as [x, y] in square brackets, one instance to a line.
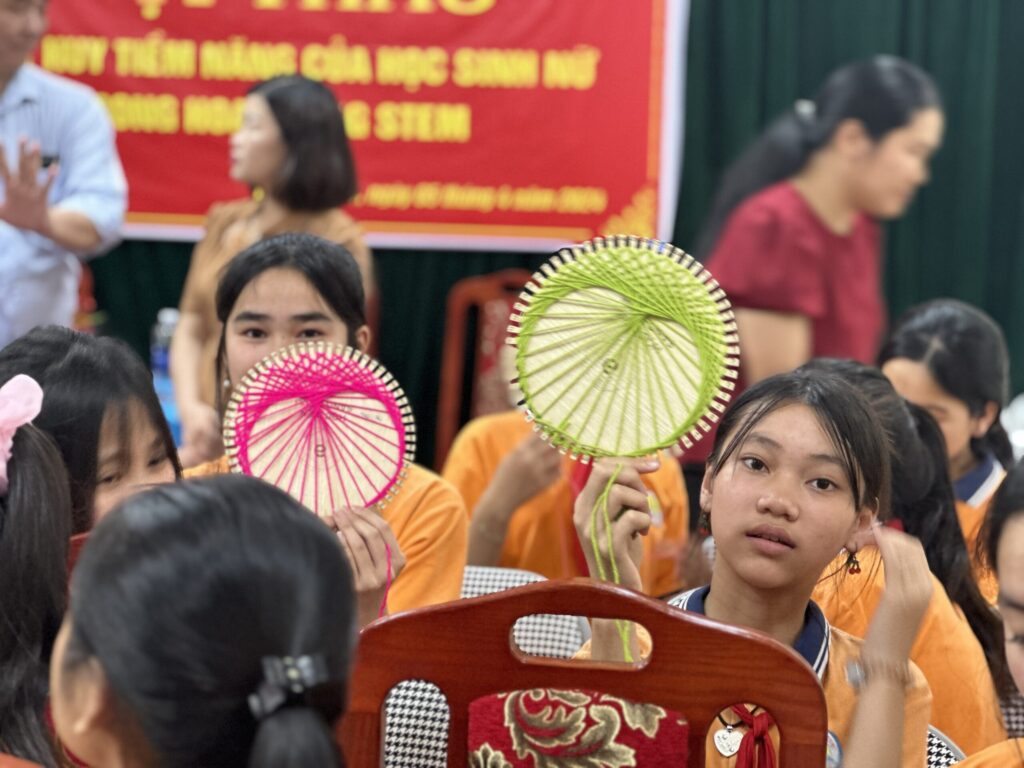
[62, 190]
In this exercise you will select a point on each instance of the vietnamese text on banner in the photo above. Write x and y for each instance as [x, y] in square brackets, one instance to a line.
[518, 124]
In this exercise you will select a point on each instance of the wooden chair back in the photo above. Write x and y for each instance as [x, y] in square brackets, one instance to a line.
[697, 667]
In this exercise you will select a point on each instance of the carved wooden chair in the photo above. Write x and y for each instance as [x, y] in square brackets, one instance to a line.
[697, 667]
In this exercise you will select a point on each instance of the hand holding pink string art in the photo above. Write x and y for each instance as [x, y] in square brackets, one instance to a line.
[375, 557]
[21, 399]
[325, 423]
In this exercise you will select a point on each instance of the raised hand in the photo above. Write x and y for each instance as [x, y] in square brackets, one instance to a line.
[908, 590]
[887, 722]
[628, 511]
[26, 199]
[375, 558]
[200, 433]
[529, 469]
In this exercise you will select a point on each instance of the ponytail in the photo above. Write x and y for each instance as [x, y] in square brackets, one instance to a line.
[882, 93]
[295, 737]
[997, 442]
[294, 705]
[933, 520]
[778, 153]
[924, 503]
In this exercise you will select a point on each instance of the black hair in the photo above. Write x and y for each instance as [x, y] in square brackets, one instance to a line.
[1007, 503]
[846, 418]
[319, 172]
[924, 503]
[883, 93]
[35, 526]
[965, 352]
[328, 266]
[83, 378]
[182, 655]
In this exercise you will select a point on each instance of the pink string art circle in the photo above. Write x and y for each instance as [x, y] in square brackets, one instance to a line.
[323, 422]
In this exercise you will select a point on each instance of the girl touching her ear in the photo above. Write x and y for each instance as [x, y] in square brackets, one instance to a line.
[799, 471]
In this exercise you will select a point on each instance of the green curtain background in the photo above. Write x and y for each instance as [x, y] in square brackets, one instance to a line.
[747, 60]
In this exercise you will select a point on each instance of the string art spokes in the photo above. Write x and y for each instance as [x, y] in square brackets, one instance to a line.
[623, 346]
[323, 422]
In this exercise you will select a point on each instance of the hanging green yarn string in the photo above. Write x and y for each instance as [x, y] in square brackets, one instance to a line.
[621, 625]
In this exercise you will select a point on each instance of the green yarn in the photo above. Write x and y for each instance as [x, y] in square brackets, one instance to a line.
[622, 347]
[621, 625]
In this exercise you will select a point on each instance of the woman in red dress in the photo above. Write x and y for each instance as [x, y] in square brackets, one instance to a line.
[793, 236]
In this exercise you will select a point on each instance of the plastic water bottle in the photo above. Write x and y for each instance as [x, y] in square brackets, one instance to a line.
[159, 359]
[160, 349]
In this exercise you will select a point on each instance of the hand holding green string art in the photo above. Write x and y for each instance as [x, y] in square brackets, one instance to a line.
[624, 346]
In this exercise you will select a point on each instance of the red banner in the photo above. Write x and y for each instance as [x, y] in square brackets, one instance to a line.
[475, 123]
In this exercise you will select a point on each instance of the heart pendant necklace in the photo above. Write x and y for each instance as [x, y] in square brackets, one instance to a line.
[727, 740]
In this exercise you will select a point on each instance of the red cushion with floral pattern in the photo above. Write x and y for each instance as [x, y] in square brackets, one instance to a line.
[545, 728]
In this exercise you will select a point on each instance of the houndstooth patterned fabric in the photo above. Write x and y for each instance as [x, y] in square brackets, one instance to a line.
[480, 580]
[540, 635]
[416, 725]
[1013, 716]
[941, 749]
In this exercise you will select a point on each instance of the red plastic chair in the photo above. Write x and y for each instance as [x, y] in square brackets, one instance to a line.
[490, 297]
[697, 667]
[373, 321]
[85, 316]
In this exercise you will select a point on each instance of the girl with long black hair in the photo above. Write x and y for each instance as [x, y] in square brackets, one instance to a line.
[35, 525]
[211, 623]
[959, 647]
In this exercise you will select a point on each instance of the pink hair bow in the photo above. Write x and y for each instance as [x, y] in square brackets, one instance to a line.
[21, 399]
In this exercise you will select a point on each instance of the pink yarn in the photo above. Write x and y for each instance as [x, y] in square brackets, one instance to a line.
[387, 585]
[344, 413]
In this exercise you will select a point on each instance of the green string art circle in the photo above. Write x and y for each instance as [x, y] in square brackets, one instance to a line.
[624, 346]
